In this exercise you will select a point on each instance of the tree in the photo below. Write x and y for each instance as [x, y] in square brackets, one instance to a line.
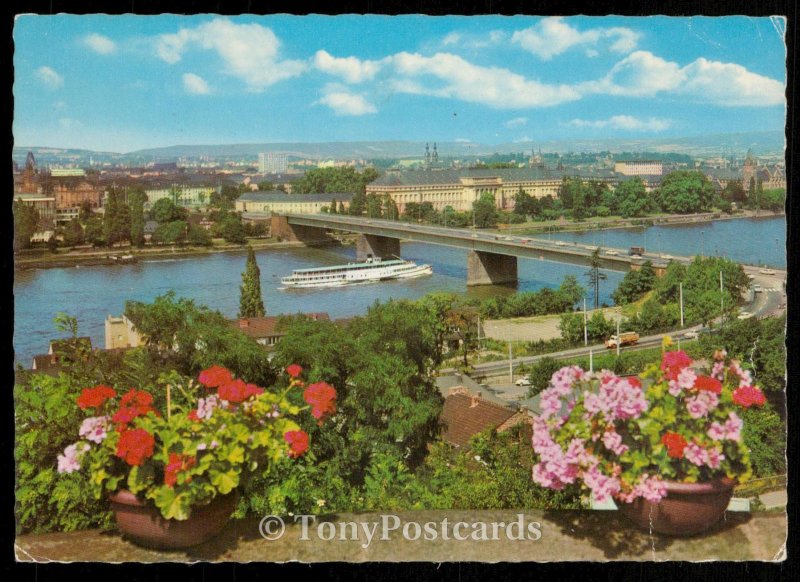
[525, 204]
[463, 323]
[342, 209]
[635, 284]
[571, 327]
[598, 327]
[26, 223]
[390, 210]
[630, 198]
[685, 192]
[374, 206]
[570, 292]
[136, 200]
[595, 276]
[333, 208]
[85, 212]
[229, 226]
[116, 218]
[250, 301]
[540, 374]
[73, 233]
[170, 233]
[165, 210]
[94, 232]
[485, 211]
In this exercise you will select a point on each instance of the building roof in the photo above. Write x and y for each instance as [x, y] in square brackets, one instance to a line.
[273, 196]
[465, 415]
[266, 327]
[723, 173]
[454, 176]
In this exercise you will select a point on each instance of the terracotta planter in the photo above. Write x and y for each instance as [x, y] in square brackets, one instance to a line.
[688, 508]
[141, 521]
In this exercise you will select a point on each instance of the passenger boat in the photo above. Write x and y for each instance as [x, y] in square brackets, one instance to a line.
[372, 270]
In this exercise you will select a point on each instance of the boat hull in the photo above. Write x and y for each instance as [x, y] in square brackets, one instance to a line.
[359, 278]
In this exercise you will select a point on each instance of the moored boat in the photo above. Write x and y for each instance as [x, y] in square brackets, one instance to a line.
[372, 270]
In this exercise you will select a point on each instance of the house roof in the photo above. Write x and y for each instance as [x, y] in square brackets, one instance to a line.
[265, 327]
[465, 415]
[454, 176]
[278, 196]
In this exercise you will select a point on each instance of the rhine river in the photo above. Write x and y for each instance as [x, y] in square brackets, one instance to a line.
[92, 293]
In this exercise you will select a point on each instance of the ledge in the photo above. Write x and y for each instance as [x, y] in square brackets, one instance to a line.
[565, 536]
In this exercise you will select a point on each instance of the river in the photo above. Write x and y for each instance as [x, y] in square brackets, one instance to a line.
[90, 293]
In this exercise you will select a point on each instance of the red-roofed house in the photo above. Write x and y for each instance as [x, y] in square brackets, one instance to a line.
[466, 414]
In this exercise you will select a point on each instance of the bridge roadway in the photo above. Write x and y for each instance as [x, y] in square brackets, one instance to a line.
[492, 257]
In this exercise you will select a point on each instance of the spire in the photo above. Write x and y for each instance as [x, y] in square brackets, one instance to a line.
[30, 162]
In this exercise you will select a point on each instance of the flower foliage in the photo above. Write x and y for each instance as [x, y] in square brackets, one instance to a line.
[623, 437]
[184, 458]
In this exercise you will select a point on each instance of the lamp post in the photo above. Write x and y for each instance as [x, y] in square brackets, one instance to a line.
[702, 243]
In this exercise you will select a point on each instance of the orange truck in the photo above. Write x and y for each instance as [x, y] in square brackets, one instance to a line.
[627, 338]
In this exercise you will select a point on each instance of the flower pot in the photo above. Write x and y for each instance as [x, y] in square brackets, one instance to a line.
[688, 508]
[142, 522]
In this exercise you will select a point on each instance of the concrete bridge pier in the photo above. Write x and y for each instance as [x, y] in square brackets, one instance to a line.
[490, 269]
[280, 228]
[377, 246]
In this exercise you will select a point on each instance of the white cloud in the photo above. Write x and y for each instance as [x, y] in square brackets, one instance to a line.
[460, 79]
[99, 43]
[474, 40]
[642, 74]
[516, 122]
[49, 77]
[730, 84]
[553, 36]
[351, 69]
[250, 52]
[342, 102]
[624, 122]
[195, 84]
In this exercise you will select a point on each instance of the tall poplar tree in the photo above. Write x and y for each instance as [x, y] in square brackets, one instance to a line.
[250, 302]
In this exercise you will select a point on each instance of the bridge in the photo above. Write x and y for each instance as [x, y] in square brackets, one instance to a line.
[492, 257]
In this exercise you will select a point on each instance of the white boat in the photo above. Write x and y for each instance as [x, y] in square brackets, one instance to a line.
[374, 269]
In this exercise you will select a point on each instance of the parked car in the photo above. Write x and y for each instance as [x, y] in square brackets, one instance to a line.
[691, 334]
[611, 252]
[757, 289]
[560, 243]
[745, 315]
[767, 272]
[523, 381]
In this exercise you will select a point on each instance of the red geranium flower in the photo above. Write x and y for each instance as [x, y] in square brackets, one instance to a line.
[215, 376]
[673, 362]
[708, 384]
[321, 397]
[675, 444]
[94, 397]
[747, 396]
[298, 442]
[177, 463]
[294, 370]
[193, 416]
[635, 382]
[135, 446]
[136, 398]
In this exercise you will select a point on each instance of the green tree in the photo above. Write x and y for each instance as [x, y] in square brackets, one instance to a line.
[229, 226]
[571, 327]
[170, 233]
[525, 204]
[390, 210]
[598, 327]
[116, 218]
[595, 276]
[685, 192]
[73, 233]
[250, 302]
[136, 200]
[374, 206]
[93, 233]
[333, 208]
[26, 223]
[570, 291]
[630, 198]
[635, 284]
[485, 211]
[85, 212]
[165, 210]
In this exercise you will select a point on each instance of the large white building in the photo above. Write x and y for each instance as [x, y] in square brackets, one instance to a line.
[186, 196]
[639, 167]
[277, 202]
[272, 163]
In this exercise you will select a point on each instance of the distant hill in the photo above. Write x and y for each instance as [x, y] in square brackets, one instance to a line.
[762, 143]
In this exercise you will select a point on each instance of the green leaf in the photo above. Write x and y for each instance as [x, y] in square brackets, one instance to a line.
[225, 482]
[172, 505]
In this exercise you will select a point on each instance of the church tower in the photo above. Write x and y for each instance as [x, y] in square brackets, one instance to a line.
[749, 172]
[29, 182]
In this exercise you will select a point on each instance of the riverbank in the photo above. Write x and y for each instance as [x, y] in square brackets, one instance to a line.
[45, 259]
[615, 222]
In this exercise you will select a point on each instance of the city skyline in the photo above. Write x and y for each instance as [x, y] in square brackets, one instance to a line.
[122, 83]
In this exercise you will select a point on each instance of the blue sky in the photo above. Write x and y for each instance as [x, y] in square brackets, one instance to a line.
[121, 83]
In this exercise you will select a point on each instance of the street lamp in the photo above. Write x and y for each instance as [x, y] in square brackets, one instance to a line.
[702, 243]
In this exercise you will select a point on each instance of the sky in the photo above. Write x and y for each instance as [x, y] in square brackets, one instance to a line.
[123, 83]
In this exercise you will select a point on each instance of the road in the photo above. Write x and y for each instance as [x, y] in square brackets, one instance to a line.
[770, 301]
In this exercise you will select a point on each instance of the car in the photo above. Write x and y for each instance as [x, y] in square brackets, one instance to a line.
[691, 334]
[664, 256]
[757, 289]
[767, 272]
[612, 252]
[745, 315]
[635, 256]
[523, 381]
[561, 243]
